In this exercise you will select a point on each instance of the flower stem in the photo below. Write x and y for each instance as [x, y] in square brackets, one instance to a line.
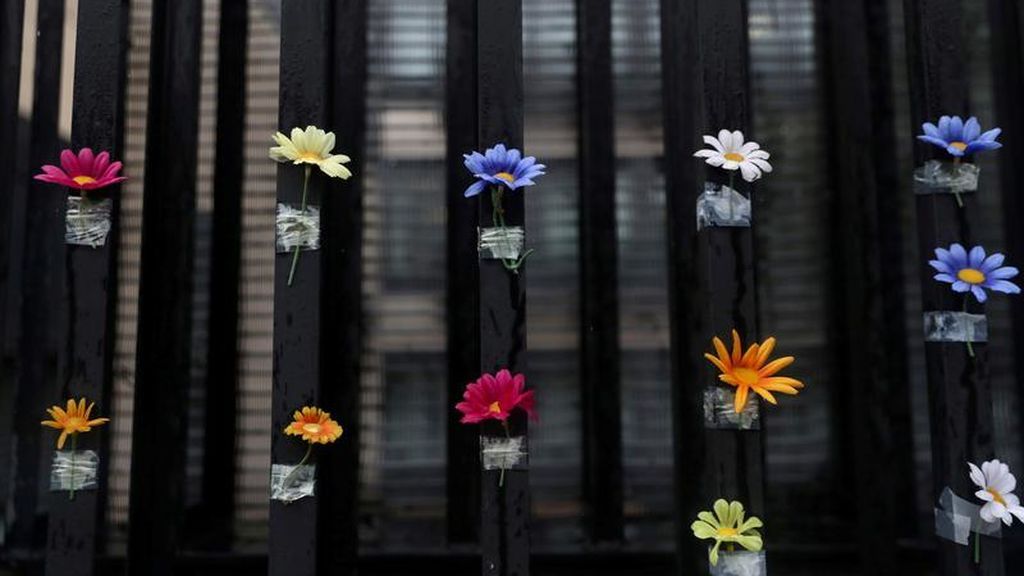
[288, 478]
[295, 253]
[977, 547]
[970, 347]
[71, 480]
[956, 173]
[732, 184]
[498, 217]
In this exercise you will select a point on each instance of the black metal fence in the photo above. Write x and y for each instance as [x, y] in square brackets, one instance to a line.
[58, 319]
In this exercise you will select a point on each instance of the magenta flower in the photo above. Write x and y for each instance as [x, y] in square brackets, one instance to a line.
[84, 172]
[495, 397]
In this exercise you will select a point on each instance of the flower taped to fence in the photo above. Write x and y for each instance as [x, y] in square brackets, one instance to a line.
[310, 147]
[731, 152]
[314, 426]
[959, 138]
[750, 371]
[995, 485]
[728, 525]
[974, 271]
[502, 168]
[495, 397]
[73, 470]
[84, 172]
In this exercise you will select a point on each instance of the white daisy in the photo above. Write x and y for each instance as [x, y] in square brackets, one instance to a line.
[997, 485]
[730, 152]
[311, 146]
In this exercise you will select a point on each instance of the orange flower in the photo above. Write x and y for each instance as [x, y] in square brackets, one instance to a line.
[72, 420]
[314, 425]
[747, 370]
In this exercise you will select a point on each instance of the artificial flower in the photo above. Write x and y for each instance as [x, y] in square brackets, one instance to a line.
[959, 138]
[501, 167]
[311, 146]
[72, 420]
[730, 152]
[83, 172]
[314, 426]
[996, 485]
[727, 525]
[974, 271]
[495, 397]
[751, 370]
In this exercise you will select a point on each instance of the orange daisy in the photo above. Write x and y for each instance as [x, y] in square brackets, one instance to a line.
[72, 420]
[314, 425]
[751, 370]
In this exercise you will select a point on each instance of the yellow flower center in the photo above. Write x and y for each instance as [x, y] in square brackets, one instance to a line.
[310, 157]
[996, 496]
[83, 180]
[959, 146]
[74, 423]
[746, 376]
[311, 427]
[734, 157]
[971, 276]
[726, 532]
[495, 407]
[506, 177]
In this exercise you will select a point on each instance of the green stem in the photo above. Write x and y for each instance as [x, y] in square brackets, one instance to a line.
[977, 547]
[295, 253]
[956, 173]
[71, 480]
[970, 347]
[288, 478]
[498, 217]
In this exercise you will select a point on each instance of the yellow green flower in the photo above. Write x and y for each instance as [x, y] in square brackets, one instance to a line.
[727, 525]
[311, 146]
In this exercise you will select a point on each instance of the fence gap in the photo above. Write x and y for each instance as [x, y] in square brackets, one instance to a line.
[42, 351]
[342, 324]
[215, 526]
[599, 309]
[163, 357]
[505, 510]
[304, 88]
[11, 225]
[462, 298]
[959, 387]
[97, 123]
[869, 396]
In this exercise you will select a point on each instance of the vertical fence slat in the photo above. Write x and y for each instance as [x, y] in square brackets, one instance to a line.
[342, 317]
[682, 99]
[11, 225]
[305, 32]
[505, 511]
[97, 123]
[725, 256]
[959, 388]
[711, 272]
[163, 358]
[858, 308]
[214, 528]
[42, 351]
[599, 310]
[462, 300]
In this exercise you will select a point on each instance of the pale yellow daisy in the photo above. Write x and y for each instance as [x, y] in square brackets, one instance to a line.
[311, 146]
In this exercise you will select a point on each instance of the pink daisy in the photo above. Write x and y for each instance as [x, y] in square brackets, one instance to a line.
[84, 172]
[494, 398]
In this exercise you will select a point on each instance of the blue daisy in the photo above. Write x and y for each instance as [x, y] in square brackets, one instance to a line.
[960, 138]
[974, 271]
[501, 167]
